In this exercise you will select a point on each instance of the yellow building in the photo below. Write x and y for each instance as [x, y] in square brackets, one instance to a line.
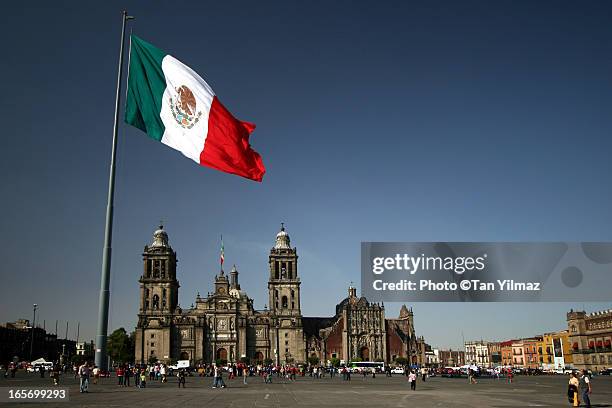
[555, 351]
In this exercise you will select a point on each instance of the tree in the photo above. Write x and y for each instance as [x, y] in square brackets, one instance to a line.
[220, 362]
[245, 360]
[267, 361]
[152, 360]
[121, 346]
[313, 360]
[401, 361]
[335, 362]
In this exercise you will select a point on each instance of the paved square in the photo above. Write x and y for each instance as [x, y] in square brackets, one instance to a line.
[526, 391]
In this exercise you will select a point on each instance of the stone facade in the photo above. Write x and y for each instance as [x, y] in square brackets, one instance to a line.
[224, 325]
[590, 336]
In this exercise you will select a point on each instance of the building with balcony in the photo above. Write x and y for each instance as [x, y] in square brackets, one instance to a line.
[590, 336]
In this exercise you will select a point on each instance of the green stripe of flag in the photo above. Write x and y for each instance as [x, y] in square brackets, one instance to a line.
[146, 86]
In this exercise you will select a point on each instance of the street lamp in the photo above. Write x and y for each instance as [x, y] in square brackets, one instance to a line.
[32, 340]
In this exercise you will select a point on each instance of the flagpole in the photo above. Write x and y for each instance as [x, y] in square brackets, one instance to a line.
[101, 360]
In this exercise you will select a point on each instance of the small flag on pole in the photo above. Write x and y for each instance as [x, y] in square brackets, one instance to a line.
[222, 253]
[174, 105]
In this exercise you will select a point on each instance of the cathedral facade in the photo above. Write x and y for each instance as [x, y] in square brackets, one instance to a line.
[225, 326]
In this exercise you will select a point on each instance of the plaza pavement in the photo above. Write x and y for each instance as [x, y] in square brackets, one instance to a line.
[537, 391]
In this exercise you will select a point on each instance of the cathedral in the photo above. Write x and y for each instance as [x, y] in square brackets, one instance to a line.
[225, 325]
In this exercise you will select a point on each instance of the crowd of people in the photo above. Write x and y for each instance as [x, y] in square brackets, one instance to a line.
[578, 392]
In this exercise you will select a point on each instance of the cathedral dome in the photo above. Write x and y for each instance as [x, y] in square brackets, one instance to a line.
[160, 238]
[282, 239]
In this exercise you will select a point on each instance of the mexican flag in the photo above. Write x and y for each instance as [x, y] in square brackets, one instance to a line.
[174, 105]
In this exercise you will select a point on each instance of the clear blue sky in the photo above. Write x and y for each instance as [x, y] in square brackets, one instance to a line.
[381, 121]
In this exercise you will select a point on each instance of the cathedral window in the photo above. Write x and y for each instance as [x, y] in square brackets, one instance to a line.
[156, 268]
[293, 305]
[162, 268]
[148, 268]
[292, 294]
[285, 302]
[155, 302]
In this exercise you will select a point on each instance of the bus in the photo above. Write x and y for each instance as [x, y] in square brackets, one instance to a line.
[359, 366]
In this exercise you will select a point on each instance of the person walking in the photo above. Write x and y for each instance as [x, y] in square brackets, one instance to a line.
[572, 390]
[585, 388]
[245, 374]
[164, 374]
[412, 380]
[84, 377]
[55, 374]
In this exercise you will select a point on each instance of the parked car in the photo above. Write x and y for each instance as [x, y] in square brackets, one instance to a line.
[398, 370]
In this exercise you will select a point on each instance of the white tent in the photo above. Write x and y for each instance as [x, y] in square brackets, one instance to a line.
[39, 361]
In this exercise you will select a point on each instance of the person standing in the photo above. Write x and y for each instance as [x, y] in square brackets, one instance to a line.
[181, 378]
[136, 372]
[412, 380]
[127, 373]
[96, 374]
[585, 388]
[143, 378]
[119, 373]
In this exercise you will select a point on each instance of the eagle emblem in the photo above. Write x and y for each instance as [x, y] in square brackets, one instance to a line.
[183, 107]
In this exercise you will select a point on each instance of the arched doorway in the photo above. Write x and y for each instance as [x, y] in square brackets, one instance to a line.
[364, 353]
[259, 357]
[221, 354]
[184, 355]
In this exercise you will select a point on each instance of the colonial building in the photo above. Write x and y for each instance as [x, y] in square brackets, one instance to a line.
[225, 326]
[590, 336]
[477, 352]
[360, 331]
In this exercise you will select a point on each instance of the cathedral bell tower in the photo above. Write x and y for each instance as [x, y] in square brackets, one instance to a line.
[158, 284]
[158, 299]
[287, 336]
[284, 284]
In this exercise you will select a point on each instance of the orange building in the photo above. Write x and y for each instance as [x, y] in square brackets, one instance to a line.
[506, 352]
[530, 349]
[518, 354]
